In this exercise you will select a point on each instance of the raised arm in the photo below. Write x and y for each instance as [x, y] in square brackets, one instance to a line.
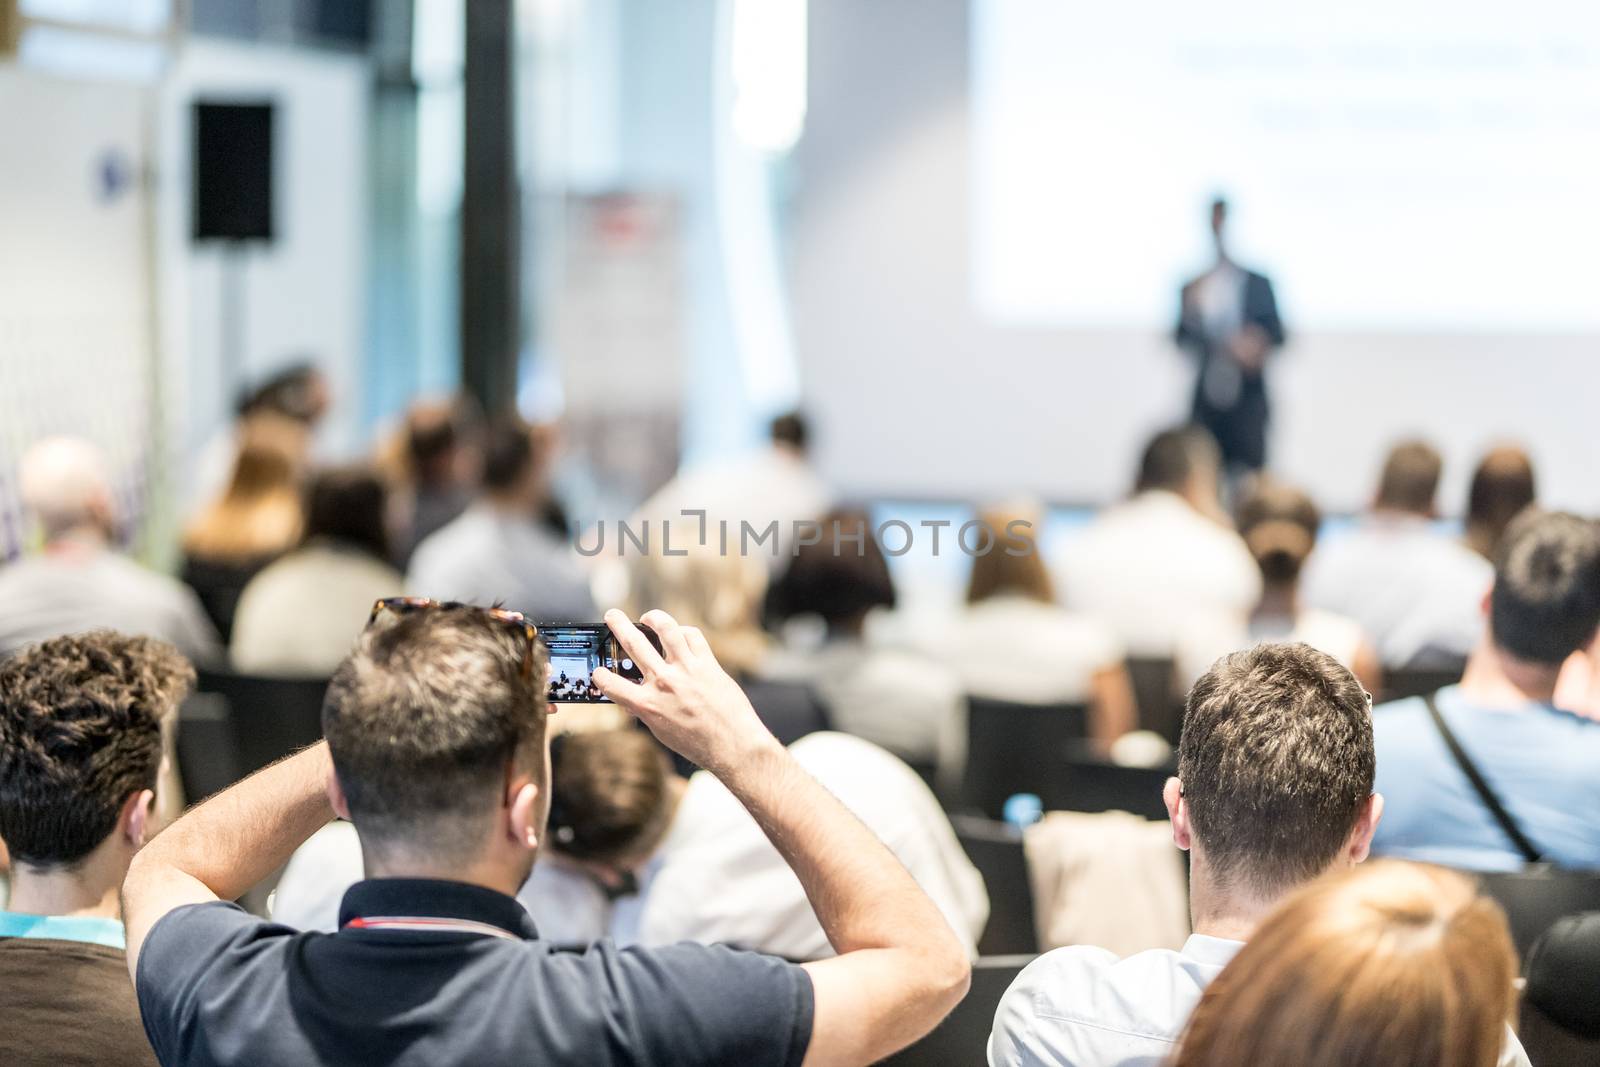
[900, 967]
[228, 844]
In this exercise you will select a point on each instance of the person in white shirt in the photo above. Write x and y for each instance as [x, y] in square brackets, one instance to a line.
[301, 614]
[1274, 788]
[1150, 566]
[1279, 524]
[1015, 643]
[1415, 591]
[497, 551]
[774, 484]
[641, 855]
[898, 698]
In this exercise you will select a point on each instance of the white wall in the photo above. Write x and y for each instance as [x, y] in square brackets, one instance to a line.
[306, 293]
[918, 395]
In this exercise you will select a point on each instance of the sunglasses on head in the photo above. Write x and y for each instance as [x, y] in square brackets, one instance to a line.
[514, 620]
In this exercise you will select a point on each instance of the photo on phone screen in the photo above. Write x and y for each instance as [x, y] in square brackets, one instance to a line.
[576, 649]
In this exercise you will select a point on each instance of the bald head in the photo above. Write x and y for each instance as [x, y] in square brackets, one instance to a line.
[65, 484]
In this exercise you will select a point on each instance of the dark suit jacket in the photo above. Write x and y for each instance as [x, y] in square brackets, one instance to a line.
[1260, 309]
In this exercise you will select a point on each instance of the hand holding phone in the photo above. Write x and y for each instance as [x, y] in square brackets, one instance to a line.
[576, 649]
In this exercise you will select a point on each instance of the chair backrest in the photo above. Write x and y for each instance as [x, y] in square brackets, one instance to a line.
[269, 717]
[1091, 784]
[995, 848]
[1155, 692]
[963, 1037]
[1403, 682]
[1016, 748]
[1535, 899]
[208, 761]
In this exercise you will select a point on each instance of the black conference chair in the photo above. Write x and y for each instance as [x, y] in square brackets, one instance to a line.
[269, 718]
[1016, 748]
[963, 1037]
[995, 848]
[207, 759]
[1155, 692]
[1405, 682]
[1090, 783]
[1535, 899]
[1560, 1018]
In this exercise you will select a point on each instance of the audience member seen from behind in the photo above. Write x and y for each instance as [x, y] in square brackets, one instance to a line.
[772, 484]
[81, 723]
[258, 518]
[437, 752]
[1274, 790]
[80, 581]
[1152, 565]
[1538, 761]
[1015, 643]
[441, 464]
[1414, 590]
[1502, 488]
[297, 391]
[640, 854]
[498, 551]
[1279, 525]
[897, 699]
[1390, 965]
[302, 613]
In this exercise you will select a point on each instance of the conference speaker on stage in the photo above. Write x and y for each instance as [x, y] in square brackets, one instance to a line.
[1228, 319]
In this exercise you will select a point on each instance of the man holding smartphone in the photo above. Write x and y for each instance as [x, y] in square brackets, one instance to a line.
[437, 751]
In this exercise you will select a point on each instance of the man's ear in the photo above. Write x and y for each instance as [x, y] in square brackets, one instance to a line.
[1484, 607]
[336, 797]
[524, 820]
[1178, 812]
[137, 816]
[1366, 825]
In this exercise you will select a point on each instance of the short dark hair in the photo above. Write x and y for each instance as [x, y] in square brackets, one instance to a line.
[422, 720]
[1279, 525]
[838, 577]
[1173, 456]
[608, 794]
[508, 453]
[1410, 478]
[80, 732]
[288, 391]
[791, 429]
[1276, 760]
[1503, 485]
[1545, 603]
[349, 505]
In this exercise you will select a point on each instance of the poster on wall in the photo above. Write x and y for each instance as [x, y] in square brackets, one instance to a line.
[618, 334]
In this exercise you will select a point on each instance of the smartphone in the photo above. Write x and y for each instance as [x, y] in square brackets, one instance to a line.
[576, 649]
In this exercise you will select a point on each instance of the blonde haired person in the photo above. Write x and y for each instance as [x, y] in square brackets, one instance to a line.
[257, 519]
[1386, 965]
[1014, 641]
[720, 593]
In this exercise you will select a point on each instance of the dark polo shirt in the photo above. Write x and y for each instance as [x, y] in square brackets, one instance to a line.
[441, 973]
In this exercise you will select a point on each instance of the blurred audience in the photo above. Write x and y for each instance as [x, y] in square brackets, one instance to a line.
[498, 551]
[1502, 487]
[1015, 643]
[905, 702]
[1391, 965]
[1537, 762]
[638, 854]
[1414, 590]
[1279, 525]
[81, 725]
[437, 750]
[441, 464]
[258, 518]
[297, 391]
[301, 614]
[773, 484]
[1274, 790]
[1153, 565]
[80, 581]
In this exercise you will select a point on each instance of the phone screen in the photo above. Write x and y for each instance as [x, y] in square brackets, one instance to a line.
[576, 649]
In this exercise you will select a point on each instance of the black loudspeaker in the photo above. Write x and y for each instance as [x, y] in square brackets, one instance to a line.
[233, 171]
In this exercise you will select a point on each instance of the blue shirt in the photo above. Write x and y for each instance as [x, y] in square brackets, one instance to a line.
[442, 973]
[84, 930]
[1542, 763]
